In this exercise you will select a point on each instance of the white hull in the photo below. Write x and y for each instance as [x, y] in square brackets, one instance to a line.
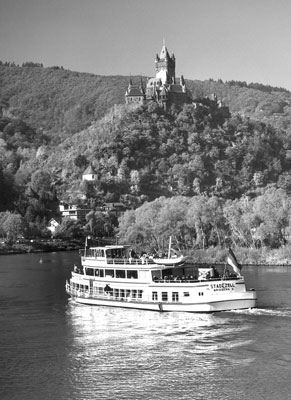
[245, 300]
[225, 305]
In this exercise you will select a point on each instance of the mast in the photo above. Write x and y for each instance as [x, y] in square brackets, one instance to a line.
[170, 245]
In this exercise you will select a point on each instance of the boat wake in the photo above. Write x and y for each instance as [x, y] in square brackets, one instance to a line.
[272, 312]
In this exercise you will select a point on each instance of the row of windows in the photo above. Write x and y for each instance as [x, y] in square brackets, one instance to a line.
[122, 293]
[112, 273]
[133, 293]
[165, 296]
[82, 288]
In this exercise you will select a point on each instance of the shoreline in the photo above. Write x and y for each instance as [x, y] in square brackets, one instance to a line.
[69, 247]
[214, 255]
[40, 246]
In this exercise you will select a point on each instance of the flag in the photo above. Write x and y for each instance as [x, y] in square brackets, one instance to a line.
[232, 261]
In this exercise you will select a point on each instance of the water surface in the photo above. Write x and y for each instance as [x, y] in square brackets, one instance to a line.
[52, 348]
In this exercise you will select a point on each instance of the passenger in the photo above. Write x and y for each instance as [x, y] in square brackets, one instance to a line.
[132, 254]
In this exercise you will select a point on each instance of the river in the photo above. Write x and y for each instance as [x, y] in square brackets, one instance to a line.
[53, 349]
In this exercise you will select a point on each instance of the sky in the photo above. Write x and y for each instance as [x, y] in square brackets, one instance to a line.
[245, 40]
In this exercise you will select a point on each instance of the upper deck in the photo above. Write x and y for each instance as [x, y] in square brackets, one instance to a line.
[118, 255]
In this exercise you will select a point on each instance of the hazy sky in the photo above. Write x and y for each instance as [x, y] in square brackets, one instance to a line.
[246, 40]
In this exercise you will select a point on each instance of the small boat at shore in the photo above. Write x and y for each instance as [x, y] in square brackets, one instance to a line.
[109, 276]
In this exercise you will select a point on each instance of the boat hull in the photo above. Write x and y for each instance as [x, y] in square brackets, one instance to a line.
[247, 300]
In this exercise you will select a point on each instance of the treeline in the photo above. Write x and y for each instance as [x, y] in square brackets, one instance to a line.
[55, 100]
[202, 221]
[257, 86]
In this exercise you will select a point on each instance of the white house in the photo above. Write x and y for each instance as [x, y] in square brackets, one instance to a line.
[52, 225]
[89, 174]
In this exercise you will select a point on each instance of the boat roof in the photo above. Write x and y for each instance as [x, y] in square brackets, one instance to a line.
[108, 247]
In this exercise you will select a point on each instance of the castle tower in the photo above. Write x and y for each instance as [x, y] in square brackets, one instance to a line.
[135, 93]
[162, 88]
[165, 66]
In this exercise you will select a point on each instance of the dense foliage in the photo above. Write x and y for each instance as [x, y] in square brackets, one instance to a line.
[191, 160]
[202, 221]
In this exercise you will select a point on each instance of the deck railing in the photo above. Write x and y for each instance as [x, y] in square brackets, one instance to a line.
[121, 261]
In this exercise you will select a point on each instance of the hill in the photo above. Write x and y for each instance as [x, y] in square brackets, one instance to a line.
[57, 122]
[58, 101]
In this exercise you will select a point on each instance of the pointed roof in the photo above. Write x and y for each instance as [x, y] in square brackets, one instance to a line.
[164, 53]
[89, 170]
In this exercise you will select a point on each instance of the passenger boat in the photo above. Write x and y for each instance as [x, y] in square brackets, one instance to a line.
[110, 277]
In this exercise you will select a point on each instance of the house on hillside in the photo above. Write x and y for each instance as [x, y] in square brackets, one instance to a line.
[53, 225]
[74, 212]
[115, 208]
[89, 174]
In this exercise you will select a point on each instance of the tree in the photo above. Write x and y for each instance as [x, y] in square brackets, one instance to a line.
[14, 226]
[240, 219]
[81, 161]
[273, 213]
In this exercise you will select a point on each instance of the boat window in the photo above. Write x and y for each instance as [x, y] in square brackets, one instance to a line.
[116, 292]
[156, 275]
[186, 294]
[127, 293]
[133, 293]
[131, 274]
[120, 273]
[100, 290]
[109, 272]
[108, 254]
[122, 293]
[96, 272]
[154, 295]
[164, 296]
[175, 296]
[89, 271]
[101, 272]
[100, 253]
[139, 294]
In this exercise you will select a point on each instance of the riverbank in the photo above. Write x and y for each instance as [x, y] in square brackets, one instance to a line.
[245, 256]
[40, 246]
[212, 255]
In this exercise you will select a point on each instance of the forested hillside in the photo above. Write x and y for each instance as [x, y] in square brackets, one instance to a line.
[56, 122]
[61, 101]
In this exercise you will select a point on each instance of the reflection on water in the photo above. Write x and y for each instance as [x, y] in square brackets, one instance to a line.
[52, 348]
[150, 354]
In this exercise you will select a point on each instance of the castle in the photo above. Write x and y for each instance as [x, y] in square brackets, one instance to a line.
[163, 88]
